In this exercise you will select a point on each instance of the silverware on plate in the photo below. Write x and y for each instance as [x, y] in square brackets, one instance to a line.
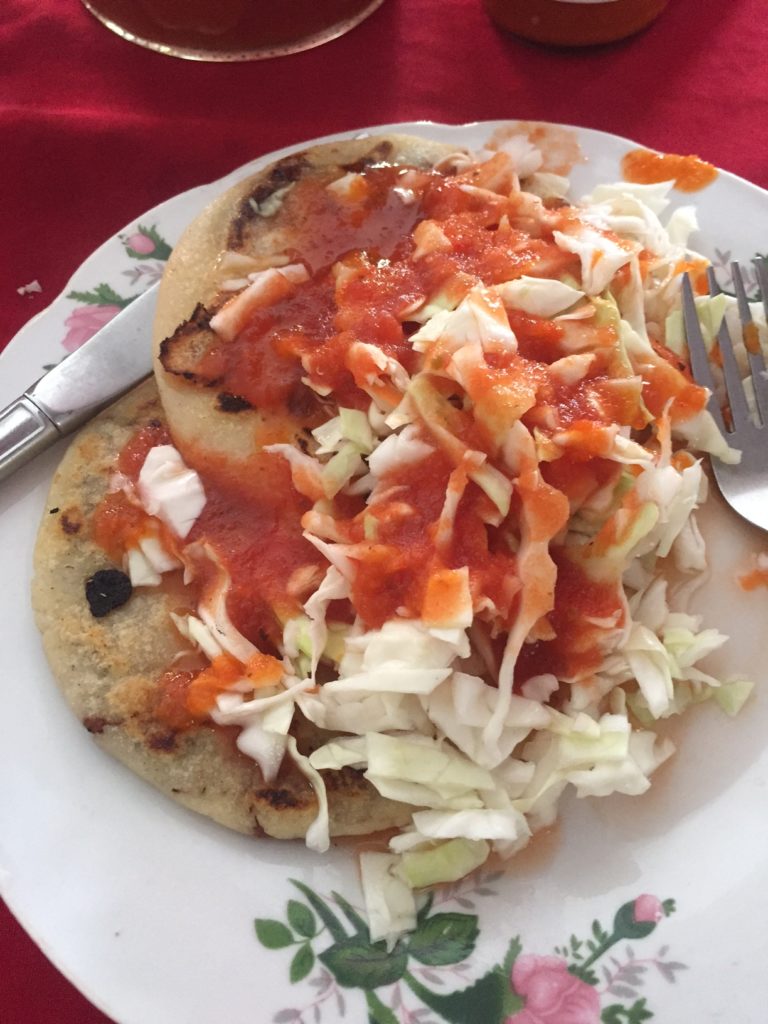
[743, 485]
[115, 359]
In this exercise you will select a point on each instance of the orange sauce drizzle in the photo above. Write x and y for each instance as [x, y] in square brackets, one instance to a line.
[689, 173]
[752, 338]
[752, 580]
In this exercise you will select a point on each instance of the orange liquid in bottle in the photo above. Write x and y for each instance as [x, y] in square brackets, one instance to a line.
[228, 30]
[564, 23]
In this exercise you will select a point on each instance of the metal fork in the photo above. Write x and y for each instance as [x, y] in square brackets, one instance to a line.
[744, 486]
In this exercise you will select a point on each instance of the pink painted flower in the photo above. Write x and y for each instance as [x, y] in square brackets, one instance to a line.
[83, 322]
[140, 243]
[648, 908]
[552, 994]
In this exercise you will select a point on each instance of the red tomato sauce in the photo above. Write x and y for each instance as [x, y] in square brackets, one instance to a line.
[118, 523]
[393, 570]
[662, 383]
[538, 339]
[492, 564]
[374, 219]
[580, 478]
[262, 364]
[169, 699]
[252, 519]
[576, 648]
[310, 333]
[132, 456]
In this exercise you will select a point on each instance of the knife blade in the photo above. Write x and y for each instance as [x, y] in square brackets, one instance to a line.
[115, 359]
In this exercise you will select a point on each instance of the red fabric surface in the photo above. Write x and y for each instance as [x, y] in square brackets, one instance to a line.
[95, 131]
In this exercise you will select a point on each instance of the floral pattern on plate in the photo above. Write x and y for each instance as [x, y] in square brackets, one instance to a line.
[149, 251]
[524, 988]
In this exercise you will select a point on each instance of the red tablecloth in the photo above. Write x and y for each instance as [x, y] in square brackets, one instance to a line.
[94, 131]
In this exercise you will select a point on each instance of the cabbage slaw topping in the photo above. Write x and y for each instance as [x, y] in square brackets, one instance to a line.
[523, 490]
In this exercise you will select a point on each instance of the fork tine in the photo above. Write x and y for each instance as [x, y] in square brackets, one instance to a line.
[761, 266]
[733, 386]
[697, 351]
[752, 345]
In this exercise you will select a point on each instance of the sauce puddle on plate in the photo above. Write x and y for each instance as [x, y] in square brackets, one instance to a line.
[689, 173]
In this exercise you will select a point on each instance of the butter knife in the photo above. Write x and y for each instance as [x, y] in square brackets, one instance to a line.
[115, 359]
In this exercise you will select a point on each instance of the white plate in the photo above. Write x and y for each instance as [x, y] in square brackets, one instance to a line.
[150, 910]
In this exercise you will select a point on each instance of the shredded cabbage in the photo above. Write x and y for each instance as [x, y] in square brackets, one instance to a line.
[538, 295]
[446, 862]
[511, 481]
[390, 904]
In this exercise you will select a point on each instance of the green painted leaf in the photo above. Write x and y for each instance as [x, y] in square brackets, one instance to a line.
[583, 971]
[355, 963]
[444, 939]
[484, 1001]
[273, 934]
[301, 919]
[378, 1013]
[323, 911]
[590, 976]
[101, 295]
[425, 908]
[302, 963]
[513, 952]
[512, 1001]
[637, 1013]
[357, 922]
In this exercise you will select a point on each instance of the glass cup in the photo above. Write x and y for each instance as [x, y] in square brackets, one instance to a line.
[229, 30]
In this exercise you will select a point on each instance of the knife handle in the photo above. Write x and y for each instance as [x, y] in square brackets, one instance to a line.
[25, 431]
